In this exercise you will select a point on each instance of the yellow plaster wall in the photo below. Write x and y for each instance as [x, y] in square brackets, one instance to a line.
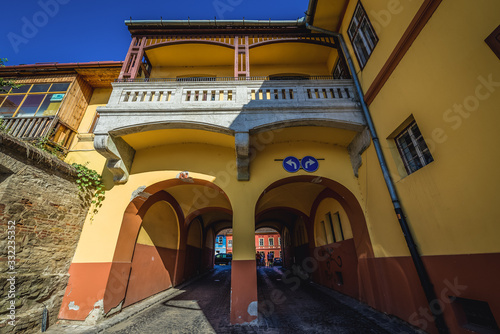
[385, 232]
[332, 206]
[300, 233]
[99, 98]
[332, 60]
[160, 227]
[87, 157]
[179, 71]
[452, 203]
[308, 69]
[215, 164]
[195, 234]
[389, 18]
[98, 238]
[210, 239]
[82, 151]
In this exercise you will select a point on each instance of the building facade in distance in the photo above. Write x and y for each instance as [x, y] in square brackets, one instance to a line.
[267, 241]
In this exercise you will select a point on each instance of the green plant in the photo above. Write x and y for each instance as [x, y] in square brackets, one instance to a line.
[3, 127]
[89, 181]
[6, 83]
[45, 144]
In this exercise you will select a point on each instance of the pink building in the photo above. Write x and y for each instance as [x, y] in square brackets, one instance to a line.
[267, 241]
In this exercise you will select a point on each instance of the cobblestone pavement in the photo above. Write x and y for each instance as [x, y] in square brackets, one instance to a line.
[203, 307]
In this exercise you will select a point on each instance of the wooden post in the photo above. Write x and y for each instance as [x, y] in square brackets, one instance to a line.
[247, 58]
[236, 54]
[126, 63]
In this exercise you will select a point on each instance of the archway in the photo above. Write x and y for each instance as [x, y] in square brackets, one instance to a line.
[324, 230]
[164, 239]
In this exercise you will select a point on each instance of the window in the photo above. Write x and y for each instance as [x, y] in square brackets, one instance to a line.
[271, 241]
[261, 241]
[336, 226]
[340, 71]
[41, 99]
[362, 35]
[413, 149]
[230, 243]
[219, 240]
[493, 41]
[279, 241]
[475, 315]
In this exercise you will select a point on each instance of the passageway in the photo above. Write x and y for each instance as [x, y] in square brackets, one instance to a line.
[284, 307]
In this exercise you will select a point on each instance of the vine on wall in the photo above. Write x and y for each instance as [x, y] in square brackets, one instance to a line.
[90, 182]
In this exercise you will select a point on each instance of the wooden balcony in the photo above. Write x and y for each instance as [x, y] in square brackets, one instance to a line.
[33, 128]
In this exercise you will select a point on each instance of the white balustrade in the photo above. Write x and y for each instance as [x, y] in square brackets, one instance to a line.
[229, 93]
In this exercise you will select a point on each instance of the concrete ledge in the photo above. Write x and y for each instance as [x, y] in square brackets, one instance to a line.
[12, 145]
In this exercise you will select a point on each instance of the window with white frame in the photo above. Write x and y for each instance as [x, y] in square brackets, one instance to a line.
[271, 241]
[413, 149]
[219, 240]
[279, 241]
[230, 243]
[261, 241]
[362, 35]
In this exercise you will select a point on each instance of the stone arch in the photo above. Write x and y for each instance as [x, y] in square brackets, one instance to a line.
[155, 254]
[171, 124]
[118, 290]
[342, 265]
[345, 197]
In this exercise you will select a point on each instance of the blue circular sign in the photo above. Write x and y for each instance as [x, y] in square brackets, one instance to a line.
[309, 164]
[291, 164]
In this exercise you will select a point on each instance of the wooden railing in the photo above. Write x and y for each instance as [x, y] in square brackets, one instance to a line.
[31, 128]
[225, 79]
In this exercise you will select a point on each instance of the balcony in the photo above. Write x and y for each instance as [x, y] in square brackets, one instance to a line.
[33, 128]
[239, 108]
[238, 105]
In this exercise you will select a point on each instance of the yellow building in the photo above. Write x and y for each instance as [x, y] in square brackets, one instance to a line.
[340, 130]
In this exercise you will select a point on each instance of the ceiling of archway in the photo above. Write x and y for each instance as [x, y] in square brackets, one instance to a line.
[190, 53]
[192, 197]
[322, 135]
[290, 53]
[203, 55]
[215, 216]
[329, 14]
[298, 195]
[162, 137]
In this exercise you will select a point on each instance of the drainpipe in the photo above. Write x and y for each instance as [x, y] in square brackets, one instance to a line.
[425, 280]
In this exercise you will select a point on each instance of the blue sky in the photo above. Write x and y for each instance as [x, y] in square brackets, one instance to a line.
[66, 31]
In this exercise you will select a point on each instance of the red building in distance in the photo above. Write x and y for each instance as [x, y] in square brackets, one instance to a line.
[267, 241]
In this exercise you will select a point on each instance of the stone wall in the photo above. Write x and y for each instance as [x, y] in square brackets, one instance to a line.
[38, 192]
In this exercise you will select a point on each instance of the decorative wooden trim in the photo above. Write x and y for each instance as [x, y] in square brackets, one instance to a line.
[228, 41]
[417, 24]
